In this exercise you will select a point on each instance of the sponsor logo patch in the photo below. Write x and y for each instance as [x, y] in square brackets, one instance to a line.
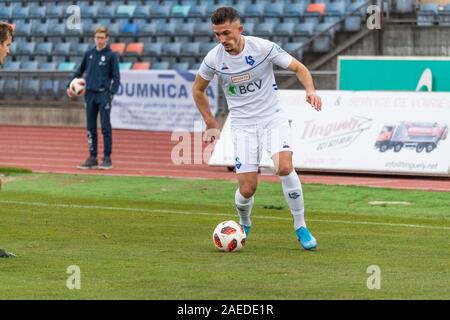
[241, 78]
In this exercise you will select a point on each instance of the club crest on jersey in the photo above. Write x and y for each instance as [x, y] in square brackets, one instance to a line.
[241, 78]
[232, 90]
[249, 60]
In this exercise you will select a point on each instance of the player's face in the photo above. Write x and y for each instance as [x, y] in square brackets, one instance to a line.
[4, 48]
[101, 40]
[229, 35]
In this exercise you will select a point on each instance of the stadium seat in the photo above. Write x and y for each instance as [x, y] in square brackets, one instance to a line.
[125, 65]
[55, 11]
[23, 29]
[57, 30]
[48, 89]
[5, 13]
[427, 14]
[90, 12]
[62, 49]
[319, 8]
[37, 12]
[294, 11]
[180, 66]
[197, 11]
[152, 49]
[134, 49]
[322, 43]
[404, 6]
[190, 49]
[160, 65]
[160, 11]
[29, 88]
[108, 11]
[335, 12]
[125, 11]
[184, 31]
[283, 32]
[118, 48]
[444, 16]
[66, 66]
[26, 48]
[273, 11]
[206, 47]
[142, 11]
[40, 29]
[179, 10]
[11, 65]
[11, 89]
[295, 49]
[353, 23]
[48, 66]
[20, 12]
[264, 29]
[171, 49]
[29, 65]
[141, 66]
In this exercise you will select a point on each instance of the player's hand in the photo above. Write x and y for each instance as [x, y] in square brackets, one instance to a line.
[314, 100]
[212, 132]
[69, 93]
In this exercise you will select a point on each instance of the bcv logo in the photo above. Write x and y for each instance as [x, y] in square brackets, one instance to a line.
[249, 60]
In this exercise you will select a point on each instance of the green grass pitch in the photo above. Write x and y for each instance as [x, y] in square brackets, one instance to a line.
[150, 238]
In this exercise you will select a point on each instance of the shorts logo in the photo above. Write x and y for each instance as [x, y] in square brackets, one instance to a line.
[241, 78]
[232, 90]
[238, 163]
[294, 195]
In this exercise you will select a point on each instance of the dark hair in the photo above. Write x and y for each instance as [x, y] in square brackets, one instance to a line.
[224, 14]
[5, 30]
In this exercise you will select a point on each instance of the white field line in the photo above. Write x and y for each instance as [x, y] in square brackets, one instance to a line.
[75, 206]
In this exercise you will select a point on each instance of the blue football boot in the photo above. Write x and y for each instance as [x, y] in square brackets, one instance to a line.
[306, 239]
[246, 229]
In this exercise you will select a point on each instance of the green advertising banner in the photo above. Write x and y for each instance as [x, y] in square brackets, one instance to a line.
[393, 73]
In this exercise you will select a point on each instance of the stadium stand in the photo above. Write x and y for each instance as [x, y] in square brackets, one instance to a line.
[176, 33]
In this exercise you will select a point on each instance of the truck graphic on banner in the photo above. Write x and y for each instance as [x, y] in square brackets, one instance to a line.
[413, 135]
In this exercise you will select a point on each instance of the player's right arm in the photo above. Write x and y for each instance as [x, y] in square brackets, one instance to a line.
[201, 100]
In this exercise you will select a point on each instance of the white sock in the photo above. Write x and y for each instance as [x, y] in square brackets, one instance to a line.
[244, 208]
[292, 190]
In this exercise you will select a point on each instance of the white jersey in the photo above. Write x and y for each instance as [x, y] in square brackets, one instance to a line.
[247, 78]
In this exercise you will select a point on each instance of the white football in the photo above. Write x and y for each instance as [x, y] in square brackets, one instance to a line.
[229, 236]
[77, 86]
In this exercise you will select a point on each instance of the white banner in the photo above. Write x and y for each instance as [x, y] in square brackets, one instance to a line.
[385, 132]
[158, 101]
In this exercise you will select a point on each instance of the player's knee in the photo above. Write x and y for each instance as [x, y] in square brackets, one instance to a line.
[284, 170]
[247, 191]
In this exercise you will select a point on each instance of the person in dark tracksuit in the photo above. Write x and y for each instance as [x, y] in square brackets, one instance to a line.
[6, 37]
[102, 82]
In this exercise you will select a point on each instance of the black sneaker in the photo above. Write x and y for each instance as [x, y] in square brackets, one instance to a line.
[4, 254]
[90, 163]
[107, 164]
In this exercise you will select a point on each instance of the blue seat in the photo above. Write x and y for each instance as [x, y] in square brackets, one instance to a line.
[427, 14]
[160, 11]
[197, 11]
[62, 49]
[90, 12]
[21, 12]
[55, 11]
[5, 13]
[11, 65]
[66, 66]
[108, 11]
[274, 10]
[49, 66]
[283, 31]
[206, 47]
[57, 30]
[81, 48]
[44, 49]
[125, 11]
[23, 29]
[130, 29]
[353, 22]
[142, 11]
[152, 49]
[49, 88]
[171, 49]
[30, 88]
[180, 10]
[295, 49]
[304, 29]
[26, 48]
[190, 49]
[29, 65]
[125, 65]
[323, 42]
[164, 65]
[40, 29]
[11, 88]
[264, 29]
[443, 17]
[404, 6]
[254, 10]
[180, 66]
[185, 29]
[294, 11]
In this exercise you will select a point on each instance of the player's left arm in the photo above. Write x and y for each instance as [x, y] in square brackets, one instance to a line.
[304, 76]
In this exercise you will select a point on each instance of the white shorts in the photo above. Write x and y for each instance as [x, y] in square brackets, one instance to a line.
[249, 142]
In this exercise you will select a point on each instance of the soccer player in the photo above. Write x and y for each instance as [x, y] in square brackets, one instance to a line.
[6, 36]
[244, 65]
[102, 82]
